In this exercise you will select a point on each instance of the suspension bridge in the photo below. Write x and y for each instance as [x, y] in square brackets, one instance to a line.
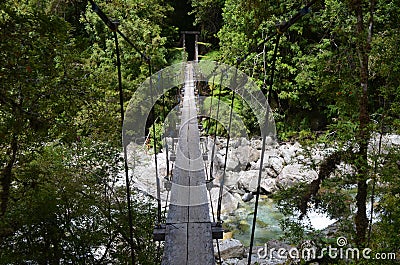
[188, 220]
[188, 231]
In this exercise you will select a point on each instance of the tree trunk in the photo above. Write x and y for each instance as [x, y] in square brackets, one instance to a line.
[364, 36]
[6, 177]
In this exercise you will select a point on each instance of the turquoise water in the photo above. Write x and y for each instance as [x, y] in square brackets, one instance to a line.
[267, 228]
[267, 225]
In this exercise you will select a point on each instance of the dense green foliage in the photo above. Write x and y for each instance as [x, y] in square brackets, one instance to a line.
[336, 73]
[61, 198]
[61, 201]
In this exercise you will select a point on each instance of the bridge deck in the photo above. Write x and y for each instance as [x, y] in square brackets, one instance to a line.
[188, 237]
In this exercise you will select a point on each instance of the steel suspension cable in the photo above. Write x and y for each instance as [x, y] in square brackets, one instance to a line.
[167, 177]
[113, 26]
[215, 132]
[164, 117]
[264, 137]
[155, 145]
[126, 168]
[211, 101]
[210, 176]
[222, 183]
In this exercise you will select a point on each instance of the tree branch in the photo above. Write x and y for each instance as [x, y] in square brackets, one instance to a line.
[327, 167]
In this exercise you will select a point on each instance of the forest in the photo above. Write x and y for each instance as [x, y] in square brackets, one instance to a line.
[336, 83]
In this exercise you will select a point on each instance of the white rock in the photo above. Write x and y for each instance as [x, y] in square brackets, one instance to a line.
[230, 248]
[298, 147]
[317, 156]
[222, 151]
[248, 181]
[229, 202]
[246, 154]
[256, 144]
[254, 165]
[232, 163]
[247, 197]
[300, 158]
[231, 179]
[269, 185]
[295, 173]
[287, 152]
[254, 155]
[269, 141]
[270, 172]
[244, 141]
[269, 153]
[276, 163]
[239, 158]
[394, 139]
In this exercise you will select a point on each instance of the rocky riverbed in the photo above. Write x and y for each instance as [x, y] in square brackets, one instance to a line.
[284, 165]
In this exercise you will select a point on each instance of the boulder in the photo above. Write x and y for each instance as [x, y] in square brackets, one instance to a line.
[144, 172]
[300, 158]
[294, 173]
[243, 141]
[231, 179]
[239, 158]
[256, 144]
[248, 181]
[276, 163]
[247, 197]
[230, 249]
[246, 154]
[232, 163]
[229, 202]
[288, 151]
[270, 142]
[268, 185]
[317, 156]
[254, 165]
[254, 154]
[270, 172]
[270, 152]
[394, 139]
[218, 161]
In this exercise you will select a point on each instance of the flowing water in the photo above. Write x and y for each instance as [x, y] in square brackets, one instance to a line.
[267, 225]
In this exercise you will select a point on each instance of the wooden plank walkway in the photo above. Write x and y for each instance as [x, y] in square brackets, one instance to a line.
[188, 237]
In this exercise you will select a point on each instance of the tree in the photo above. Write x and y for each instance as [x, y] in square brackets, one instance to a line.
[208, 15]
[330, 76]
[40, 75]
[363, 47]
[74, 210]
[60, 132]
